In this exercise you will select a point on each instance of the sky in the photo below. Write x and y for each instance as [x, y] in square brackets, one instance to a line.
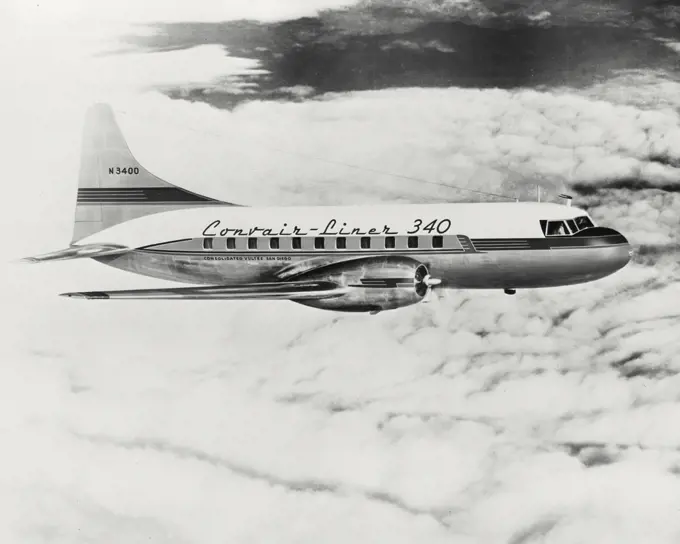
[480, 418]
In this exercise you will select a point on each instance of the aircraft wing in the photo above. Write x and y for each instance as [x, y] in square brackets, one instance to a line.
[290, 290]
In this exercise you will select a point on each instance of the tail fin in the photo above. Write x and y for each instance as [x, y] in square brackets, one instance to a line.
[113, 187]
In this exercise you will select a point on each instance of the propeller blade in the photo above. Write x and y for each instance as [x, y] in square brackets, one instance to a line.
[430, 282]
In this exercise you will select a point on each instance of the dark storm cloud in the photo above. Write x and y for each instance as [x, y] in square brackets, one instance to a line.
[379, 45]
[632, 184]
[644, 14]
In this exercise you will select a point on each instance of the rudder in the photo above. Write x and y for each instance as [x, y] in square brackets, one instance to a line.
[113, 187]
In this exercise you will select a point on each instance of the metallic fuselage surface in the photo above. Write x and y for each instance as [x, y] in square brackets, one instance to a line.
[460, 269]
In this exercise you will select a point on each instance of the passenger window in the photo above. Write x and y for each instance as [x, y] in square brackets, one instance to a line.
[572, 226]
[365, 242]
[273, 243]
[437, 241]
[297, 243]
[583, 222]
[389, 242]
[207, 243]
[412, 242]
[252, 243]
[231, 243]
[341, 243]
[556, 228]
[318, 243]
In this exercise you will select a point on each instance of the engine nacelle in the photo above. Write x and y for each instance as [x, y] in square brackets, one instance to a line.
[371, 284]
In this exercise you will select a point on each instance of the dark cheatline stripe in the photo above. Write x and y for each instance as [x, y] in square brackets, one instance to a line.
[482, 245]
[136, 195]
[509, 244]
[557, 242]
[571, 242]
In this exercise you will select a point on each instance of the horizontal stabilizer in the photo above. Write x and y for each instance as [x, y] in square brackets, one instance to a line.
[78, 252]
[294, 290]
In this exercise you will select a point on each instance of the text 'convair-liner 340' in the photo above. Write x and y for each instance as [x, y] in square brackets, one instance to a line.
[353, 258]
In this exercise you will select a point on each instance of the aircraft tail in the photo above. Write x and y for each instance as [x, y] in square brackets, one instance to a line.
[113, 187]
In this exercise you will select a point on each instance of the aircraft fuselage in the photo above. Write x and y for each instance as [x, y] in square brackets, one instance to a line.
[245, 253]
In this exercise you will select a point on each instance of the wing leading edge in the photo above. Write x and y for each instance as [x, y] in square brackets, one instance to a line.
[292, 290]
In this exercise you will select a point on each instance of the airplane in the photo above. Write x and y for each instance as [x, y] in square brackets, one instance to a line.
[367, 258]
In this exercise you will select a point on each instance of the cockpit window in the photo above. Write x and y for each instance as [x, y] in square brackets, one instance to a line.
[566, 227]
[583, 222]
[556, 228]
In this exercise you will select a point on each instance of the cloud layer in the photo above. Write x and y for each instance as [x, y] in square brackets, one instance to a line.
[478, 417]
[498, 141]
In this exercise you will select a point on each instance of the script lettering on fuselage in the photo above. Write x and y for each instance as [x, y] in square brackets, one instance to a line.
[332, 228]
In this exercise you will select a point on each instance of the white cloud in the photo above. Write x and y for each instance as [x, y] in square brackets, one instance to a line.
[648, 217]
[258, 421]
[487, 140]
[151, 11]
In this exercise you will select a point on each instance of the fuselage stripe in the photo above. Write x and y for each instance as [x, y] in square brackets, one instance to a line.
[153, 194]
[366, 252]
[131, 201]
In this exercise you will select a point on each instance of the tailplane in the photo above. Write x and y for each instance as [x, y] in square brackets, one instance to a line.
[79, 252]
[113, 187]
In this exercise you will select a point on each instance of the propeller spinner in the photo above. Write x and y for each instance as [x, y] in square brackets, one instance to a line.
[425, 283]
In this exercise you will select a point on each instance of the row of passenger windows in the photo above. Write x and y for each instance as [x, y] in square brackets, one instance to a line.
[366, 242]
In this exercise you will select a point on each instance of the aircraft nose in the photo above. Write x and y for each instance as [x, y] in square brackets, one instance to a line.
[616, 249]
[624, 252]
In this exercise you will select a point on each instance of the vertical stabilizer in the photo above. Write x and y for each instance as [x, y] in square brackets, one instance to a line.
[113, 187]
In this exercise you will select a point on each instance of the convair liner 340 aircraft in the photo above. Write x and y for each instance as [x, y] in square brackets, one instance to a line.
[353, 258]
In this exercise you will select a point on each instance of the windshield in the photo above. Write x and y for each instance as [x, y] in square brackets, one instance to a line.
[566, 227]
[583, 222]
